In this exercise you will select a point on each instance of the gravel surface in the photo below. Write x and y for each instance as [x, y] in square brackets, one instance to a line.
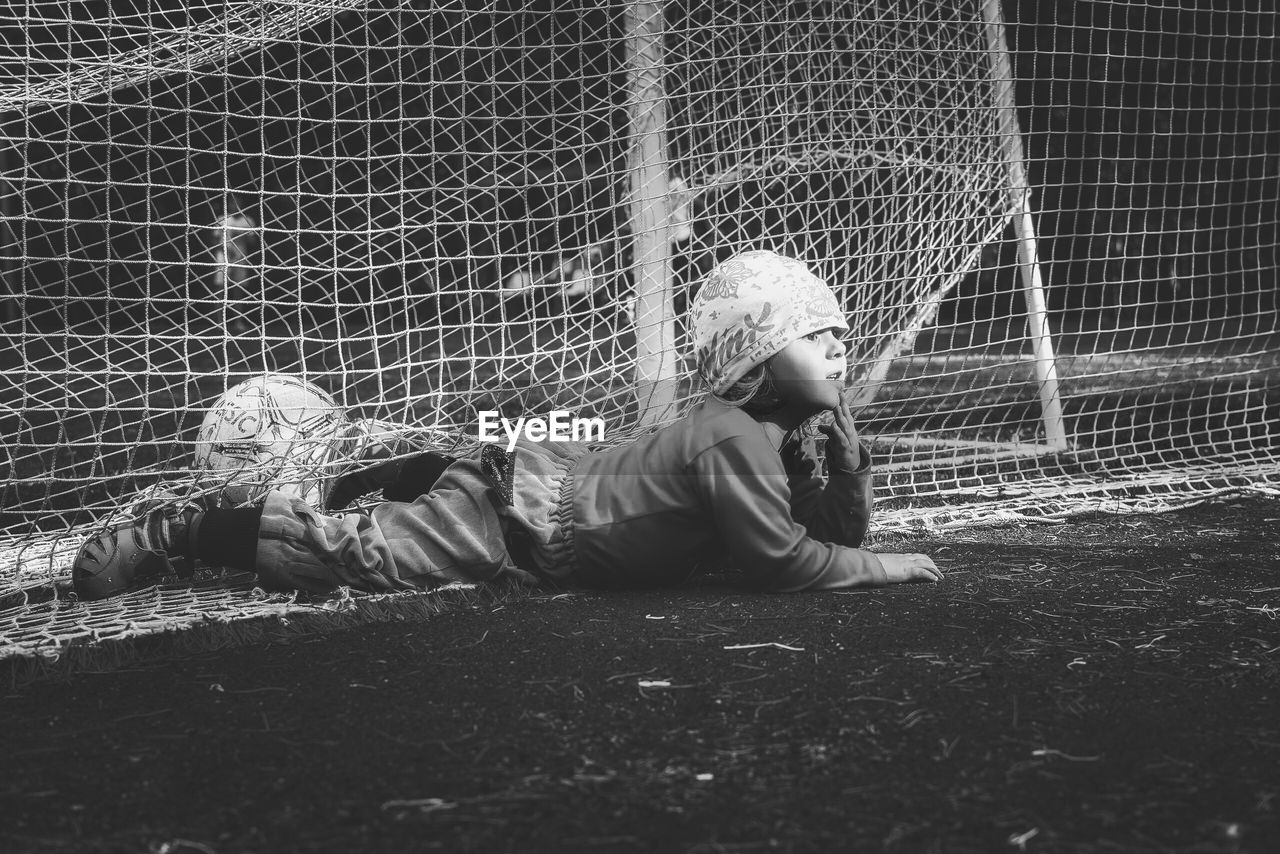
[1105, 685]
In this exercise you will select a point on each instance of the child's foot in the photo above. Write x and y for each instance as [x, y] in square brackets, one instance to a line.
[135, 545]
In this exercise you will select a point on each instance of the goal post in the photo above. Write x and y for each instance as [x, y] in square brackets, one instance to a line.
[1038, 323]
[650, 182]
[1039, 327]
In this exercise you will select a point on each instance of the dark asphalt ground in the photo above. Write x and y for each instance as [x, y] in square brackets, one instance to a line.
[1112, 684]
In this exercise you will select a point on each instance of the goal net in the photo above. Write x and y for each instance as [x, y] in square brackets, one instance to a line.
[1055, 239]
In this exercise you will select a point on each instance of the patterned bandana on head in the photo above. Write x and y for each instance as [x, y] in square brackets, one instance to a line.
[751, 307]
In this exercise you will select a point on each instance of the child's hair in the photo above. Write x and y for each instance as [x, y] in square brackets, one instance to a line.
[754, 392]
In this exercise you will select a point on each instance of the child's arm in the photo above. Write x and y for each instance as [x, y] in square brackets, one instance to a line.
[838, 511]
[745, 487]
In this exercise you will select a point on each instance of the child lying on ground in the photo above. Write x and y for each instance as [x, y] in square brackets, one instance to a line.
[725, 484]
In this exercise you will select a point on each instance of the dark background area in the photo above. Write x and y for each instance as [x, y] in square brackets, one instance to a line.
[1151, 133]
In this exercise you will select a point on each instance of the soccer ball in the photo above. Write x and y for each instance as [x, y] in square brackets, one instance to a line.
[273, 431]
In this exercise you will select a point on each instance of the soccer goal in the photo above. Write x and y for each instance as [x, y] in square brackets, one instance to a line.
[1053, 227]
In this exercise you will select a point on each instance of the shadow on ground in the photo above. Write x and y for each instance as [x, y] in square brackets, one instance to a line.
[1106, 685]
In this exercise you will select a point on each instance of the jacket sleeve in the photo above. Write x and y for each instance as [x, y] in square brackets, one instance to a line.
[744, 486]
[837, 511]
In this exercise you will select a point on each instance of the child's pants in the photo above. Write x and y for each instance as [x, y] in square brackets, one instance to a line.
[459, 531]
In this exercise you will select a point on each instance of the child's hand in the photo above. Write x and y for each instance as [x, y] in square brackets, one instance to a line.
[900, 568]
[843, 453]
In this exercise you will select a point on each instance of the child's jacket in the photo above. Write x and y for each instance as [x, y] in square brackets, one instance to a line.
[713, 489]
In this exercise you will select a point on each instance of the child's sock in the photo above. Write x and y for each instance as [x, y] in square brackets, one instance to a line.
[227, 538]
[416, 475]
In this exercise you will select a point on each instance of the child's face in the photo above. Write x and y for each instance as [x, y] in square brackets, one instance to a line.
[809, 373]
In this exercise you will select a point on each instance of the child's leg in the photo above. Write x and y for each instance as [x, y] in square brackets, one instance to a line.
[454, 533]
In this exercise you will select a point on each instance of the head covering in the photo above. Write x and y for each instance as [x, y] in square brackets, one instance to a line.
[751, 307]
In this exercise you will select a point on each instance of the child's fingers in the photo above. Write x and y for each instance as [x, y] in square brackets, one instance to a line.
[909, 567]
[839, 426]
[838, 441]
[845, 413]
[842, 442]
[844, 423]
[923, 568]
[840, 414]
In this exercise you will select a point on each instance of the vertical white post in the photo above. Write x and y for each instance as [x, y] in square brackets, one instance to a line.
[649, 214]
[1010, 131]
[8, 237]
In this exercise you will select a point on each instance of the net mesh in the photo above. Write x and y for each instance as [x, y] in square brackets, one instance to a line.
[431, 210]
